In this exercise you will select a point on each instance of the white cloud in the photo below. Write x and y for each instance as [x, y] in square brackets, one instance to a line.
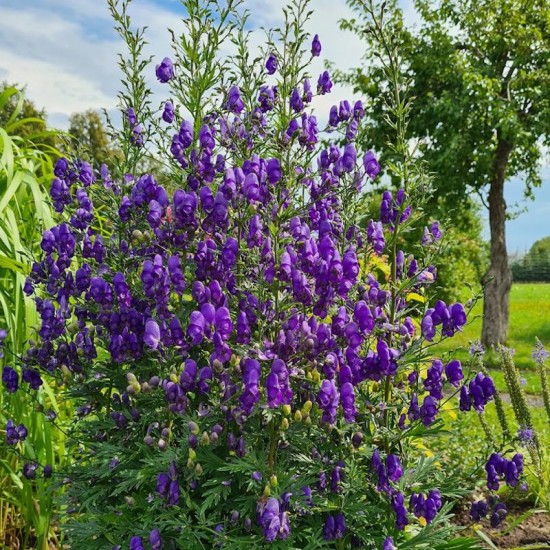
[65, 50]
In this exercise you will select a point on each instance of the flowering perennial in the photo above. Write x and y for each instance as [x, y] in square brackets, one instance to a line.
[237, 360]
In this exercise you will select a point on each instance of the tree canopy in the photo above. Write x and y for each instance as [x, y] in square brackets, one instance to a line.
[479, 72]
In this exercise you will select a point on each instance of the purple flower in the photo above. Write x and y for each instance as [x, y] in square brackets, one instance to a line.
[195, 329]
[425, 506]
[29, 470]
[481, 390]
[453, 372]
[222, 323]
[271, 64]
[234, 102]
[498, 467]
[167, 485]
[324, 84]
[152, 334]
[398, 505]
[269, 519]
[540, 354]
[395, 470]
[278, 389]
[32, 377]
[10, 379]
[165, 70]
[328, 400]
[251, 377]
[316, 46]
[434, 380]
[371, 165]
[526, 435]
[296, 101]
[388, 544]
[274, 171]
[252, 187]
[428, 410]
[347, 397]
[335, 527]
[479, 510]
[498, 515]
[375, 236]
[168, 112]
[136, 543]
[14, 434]
[155, 540]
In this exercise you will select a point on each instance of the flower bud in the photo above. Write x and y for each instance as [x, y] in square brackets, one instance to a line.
[193, 427]
[298, 416]
[286, 409]
[284, 424]
[273, 480]
[307, 406]
[357, 439]
[267, 490]
[198, 470]
[162, 444]
[205, 438]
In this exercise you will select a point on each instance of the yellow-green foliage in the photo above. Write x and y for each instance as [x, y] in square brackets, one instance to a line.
[26, 168]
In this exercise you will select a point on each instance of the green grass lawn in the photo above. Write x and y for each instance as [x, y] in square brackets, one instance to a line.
[529, 318]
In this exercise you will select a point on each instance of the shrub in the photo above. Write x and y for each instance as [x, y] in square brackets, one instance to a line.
[249, 366]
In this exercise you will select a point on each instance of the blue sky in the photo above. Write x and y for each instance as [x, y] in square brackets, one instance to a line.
[64, 51]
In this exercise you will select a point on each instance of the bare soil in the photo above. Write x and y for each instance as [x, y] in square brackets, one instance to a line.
[533, 531]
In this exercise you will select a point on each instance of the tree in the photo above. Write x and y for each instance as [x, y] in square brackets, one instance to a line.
[535, 266]
[480, 75]
[91, 139]
[23, 117]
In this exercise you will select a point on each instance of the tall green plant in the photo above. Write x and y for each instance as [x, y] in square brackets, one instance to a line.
[26, 164]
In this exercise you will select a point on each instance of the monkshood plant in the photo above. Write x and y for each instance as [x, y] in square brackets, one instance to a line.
[249, 367]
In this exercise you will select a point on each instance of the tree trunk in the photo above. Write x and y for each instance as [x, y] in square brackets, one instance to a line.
[498, 279]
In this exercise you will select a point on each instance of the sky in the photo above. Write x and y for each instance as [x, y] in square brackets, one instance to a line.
[65, 53]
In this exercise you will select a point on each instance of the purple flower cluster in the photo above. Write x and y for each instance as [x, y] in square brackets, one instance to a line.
[15, 434]
[10, 379]
[496, 509]
[242, 303]
[165, 70]
[335, 527]
[273, 519]
[498, 467]
[277, 385]
[390, 471]
[425, 506]
[451, 319]
[478, 393]
[168, 486]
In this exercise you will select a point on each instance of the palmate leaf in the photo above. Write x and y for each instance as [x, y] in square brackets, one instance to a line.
[212, 496]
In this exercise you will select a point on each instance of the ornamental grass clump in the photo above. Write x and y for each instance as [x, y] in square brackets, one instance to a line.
[249, 365]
